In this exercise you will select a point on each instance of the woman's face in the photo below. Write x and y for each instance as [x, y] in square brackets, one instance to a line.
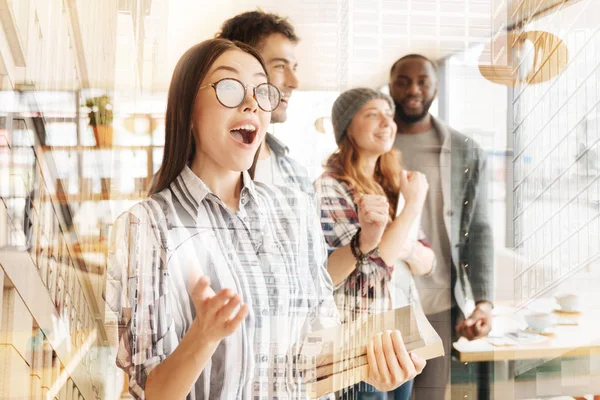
[230, 137]
[373, 129]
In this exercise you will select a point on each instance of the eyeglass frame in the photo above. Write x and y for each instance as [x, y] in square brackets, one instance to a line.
[214, 86]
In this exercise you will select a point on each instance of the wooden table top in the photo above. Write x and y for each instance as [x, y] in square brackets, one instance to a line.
[562, 340]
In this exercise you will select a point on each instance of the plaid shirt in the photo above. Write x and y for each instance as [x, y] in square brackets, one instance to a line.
[373, 287]
[294, 174]
[271, 252]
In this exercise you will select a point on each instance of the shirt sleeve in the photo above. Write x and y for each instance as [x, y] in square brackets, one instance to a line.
[339, 220]
[136, 296]
[336, 208]
[479, 252]
[324, 313]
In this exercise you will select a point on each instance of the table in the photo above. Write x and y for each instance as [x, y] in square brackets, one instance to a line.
[579, 340]
[574, 340]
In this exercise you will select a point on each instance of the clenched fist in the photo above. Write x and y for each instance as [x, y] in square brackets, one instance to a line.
[414, 187]
[373, 217]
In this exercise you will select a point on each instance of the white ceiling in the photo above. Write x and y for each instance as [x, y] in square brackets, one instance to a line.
[348, 43]
[345, 43]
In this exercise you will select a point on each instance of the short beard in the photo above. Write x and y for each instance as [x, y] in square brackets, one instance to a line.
[413, 118]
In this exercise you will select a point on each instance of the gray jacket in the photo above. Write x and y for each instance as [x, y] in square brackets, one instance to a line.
[466, 217]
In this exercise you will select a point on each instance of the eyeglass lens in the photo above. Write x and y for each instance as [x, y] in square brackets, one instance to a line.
[231, 94]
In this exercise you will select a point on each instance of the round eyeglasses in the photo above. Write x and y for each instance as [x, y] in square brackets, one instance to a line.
[231, 93]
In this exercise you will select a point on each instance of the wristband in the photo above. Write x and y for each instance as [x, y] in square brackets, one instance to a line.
[355, 248]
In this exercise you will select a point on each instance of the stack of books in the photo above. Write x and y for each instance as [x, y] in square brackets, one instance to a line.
[336, 358]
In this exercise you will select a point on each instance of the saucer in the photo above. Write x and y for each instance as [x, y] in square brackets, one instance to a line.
[559, 309]
[522, 336]
[545, 332]
[567, 319]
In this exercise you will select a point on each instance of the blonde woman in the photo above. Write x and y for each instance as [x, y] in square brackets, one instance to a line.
[374, 251]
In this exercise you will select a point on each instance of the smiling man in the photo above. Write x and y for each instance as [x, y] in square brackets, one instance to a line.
[455, 217]
[275, 40]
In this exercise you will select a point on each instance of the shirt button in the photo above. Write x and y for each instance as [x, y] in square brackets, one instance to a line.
[449, 213]
[265, 312]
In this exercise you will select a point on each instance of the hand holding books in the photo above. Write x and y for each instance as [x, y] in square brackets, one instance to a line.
[390, 364]
[367, 349]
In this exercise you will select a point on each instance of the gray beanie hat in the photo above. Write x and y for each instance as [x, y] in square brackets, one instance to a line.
[347, 105]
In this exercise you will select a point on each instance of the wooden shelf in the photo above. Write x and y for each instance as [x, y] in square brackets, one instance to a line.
[20, 269]
[96, 247]
[78, 198]
[95, 148]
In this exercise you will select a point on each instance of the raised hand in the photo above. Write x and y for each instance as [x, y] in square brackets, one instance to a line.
[414, 187]
[216, 315]
[373, 217]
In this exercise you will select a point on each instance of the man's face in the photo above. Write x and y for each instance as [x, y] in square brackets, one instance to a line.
[413, 86]
[279, 55]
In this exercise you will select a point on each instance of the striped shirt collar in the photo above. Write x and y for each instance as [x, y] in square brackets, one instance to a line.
[276, 145]
[190, 190]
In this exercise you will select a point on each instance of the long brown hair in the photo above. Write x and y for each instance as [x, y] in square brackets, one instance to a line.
[344, 165]
[191, 69]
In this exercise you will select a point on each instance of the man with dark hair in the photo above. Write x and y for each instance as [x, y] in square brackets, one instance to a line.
[275, 40]
[407, 116]
[455, 218]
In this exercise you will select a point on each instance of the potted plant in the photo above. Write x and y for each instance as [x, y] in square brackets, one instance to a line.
[101, 117]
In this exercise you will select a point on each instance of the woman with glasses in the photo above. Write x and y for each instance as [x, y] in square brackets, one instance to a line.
[376, 244]
[214, 278]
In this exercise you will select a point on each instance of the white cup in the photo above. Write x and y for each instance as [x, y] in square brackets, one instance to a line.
[540, 321]
[568, 301]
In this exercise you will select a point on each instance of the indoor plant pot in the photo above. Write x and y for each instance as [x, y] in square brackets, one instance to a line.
[101, 117]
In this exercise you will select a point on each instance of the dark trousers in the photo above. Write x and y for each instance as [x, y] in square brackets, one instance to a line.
[434, 382]
[364, 391]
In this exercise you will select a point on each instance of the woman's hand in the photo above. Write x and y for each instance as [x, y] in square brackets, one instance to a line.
[216, 318]
[420, 260]
[390, 365]
[373, 217]
[414, 187]
[216, 315]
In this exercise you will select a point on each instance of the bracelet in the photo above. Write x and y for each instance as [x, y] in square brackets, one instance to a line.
[355, 248]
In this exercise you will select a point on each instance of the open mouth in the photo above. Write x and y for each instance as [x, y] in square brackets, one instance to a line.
[244, 134]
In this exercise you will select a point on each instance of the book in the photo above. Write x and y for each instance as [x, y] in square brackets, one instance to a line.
[336, 358]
